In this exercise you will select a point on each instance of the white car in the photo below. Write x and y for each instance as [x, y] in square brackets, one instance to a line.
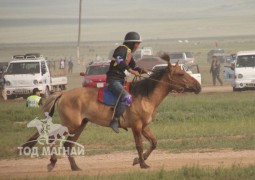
[193, 70]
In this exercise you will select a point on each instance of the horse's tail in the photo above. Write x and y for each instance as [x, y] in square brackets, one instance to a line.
[49, 105]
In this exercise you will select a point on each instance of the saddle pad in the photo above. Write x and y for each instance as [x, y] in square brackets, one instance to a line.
[105, 96]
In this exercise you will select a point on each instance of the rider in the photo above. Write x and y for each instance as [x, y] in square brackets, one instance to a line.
[122, 60]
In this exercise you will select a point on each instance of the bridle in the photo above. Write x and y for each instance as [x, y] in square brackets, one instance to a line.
[167, 83]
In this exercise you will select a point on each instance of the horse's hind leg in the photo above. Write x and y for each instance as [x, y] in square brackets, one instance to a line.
[68, 145]
[53, 161]
[153, 144]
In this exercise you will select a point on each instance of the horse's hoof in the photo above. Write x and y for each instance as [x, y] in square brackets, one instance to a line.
[50, 167]
[76, 168]
[144, 166]
[136, 161]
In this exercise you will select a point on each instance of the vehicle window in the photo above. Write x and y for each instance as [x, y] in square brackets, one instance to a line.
[23, 68]
[245, 61]
[159, 68]
[186, 68]
[96, 70]
[44, 67]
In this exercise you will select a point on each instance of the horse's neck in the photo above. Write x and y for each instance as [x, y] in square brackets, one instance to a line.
[160, 92]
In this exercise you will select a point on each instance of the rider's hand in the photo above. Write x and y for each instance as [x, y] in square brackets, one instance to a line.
[145, 71]
[136, 73]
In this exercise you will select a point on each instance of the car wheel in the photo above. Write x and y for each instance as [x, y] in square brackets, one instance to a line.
[236, 89]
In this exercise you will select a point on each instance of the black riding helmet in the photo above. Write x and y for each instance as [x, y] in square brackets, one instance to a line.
[133, 37]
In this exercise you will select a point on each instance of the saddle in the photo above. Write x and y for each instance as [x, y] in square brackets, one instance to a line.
[106, 97]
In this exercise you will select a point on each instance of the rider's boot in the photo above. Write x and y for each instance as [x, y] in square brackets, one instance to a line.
[114, 124]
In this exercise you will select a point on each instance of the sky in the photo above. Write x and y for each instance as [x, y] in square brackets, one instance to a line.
[25, 21]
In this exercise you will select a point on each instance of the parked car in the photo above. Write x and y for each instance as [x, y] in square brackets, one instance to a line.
[219, 53]
[95, 74]
[148, 62]
[193, 70]
[182, 57]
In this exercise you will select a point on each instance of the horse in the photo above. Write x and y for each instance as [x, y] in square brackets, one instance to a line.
[79, 106]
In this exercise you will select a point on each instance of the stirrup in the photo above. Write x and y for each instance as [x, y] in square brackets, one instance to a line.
[114, 124]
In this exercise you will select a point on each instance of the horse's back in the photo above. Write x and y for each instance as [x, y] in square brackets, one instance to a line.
[77, 95]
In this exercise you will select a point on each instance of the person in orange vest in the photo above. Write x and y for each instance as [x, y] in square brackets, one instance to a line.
[35, 99]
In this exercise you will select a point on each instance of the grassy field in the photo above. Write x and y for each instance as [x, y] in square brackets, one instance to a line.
[186, 123]
[183, 123]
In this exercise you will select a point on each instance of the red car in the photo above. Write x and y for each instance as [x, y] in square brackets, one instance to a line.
[95, 74]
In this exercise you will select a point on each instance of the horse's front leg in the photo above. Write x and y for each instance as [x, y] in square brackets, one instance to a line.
[147, 133]
[139, 147]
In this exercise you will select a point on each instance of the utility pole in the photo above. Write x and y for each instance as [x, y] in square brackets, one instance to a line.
[79, 34]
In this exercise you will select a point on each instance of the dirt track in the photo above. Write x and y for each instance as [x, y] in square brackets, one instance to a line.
[122, 162]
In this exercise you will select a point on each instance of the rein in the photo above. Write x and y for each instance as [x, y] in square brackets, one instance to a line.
[182, 89]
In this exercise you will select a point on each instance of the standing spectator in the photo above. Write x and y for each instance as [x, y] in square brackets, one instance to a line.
[62, 64]
[35, 99]
[215, 70]
[70, 66]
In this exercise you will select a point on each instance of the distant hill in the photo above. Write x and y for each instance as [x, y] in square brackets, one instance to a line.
[57, 21]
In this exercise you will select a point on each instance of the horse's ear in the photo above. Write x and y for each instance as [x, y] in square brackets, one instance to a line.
[169, 66]
[177, 64]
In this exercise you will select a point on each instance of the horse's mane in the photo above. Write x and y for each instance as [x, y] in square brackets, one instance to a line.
[146, 86]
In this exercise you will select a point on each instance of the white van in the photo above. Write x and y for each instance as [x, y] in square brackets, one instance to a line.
[244, 71]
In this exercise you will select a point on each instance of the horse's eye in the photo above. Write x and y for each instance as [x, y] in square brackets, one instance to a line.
[180, 74]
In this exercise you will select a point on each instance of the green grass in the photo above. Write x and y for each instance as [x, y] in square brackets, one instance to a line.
[192, 173]
[183, 123]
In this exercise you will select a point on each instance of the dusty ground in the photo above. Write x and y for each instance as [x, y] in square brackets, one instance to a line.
[122, 162]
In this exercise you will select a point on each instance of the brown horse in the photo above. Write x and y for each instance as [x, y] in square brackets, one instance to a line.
[78, 106]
